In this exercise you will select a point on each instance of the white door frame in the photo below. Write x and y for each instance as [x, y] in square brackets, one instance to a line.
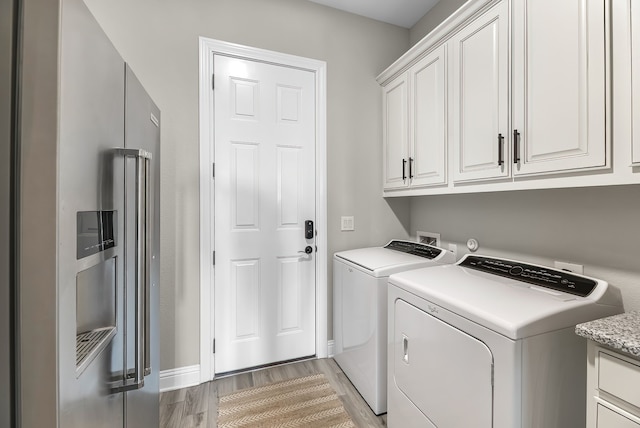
[209, 47]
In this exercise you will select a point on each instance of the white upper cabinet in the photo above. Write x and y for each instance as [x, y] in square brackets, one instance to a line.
[635, 78]
[395, 127]
[559, 85]
[428, 144]
[514, 95]
[414, 125]
[480, 105]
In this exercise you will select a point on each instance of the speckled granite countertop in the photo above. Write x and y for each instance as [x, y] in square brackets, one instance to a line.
[620, 332]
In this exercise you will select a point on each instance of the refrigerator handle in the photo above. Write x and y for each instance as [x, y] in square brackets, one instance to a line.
[142, 366]
[148, 233]
[142, 265]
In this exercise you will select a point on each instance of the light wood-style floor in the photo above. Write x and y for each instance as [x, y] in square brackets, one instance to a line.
[196, 407]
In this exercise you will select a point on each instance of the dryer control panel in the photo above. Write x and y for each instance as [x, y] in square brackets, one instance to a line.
[415, 248]
[544, 277]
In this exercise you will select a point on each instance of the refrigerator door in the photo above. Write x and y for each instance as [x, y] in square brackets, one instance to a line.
[142, 133]
[91, 247]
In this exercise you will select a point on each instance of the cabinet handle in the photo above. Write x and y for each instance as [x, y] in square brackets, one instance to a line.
[404, 174]
[410, 168]
[516, 156]
[500, 150]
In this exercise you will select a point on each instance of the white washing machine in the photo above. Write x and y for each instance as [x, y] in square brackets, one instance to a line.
[360, 310]
[490, 342]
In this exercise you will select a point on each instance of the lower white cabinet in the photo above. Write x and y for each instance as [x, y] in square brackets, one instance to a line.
[613, 396]
[609, 418]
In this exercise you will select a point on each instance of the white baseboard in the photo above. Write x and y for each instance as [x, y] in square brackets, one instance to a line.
[182, 377]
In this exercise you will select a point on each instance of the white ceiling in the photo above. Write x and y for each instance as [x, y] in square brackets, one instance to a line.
[404, 13]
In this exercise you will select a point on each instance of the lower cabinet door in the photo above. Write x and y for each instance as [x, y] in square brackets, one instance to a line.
[607, 418]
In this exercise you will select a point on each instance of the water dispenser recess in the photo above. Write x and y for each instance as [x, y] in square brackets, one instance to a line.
[96, 231]
[95, 311]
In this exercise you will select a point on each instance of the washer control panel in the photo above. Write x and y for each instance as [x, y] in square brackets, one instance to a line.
[415, 248]
[544, 277]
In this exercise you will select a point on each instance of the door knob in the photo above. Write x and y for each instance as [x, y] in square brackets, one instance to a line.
[308, 250]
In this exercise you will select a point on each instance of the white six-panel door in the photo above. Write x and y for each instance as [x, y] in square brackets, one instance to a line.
[264, 192]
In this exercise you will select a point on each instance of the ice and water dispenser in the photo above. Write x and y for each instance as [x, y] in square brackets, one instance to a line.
[95, 285]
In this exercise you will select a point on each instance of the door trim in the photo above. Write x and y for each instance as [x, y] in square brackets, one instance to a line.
[209, 47]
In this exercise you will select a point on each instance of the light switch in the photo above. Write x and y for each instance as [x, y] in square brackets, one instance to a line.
[347, 223]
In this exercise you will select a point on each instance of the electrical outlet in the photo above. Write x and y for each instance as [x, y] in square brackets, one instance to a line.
[571, 267]
[347, 223]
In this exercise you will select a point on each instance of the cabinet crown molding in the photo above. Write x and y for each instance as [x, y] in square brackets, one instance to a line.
[438, 35]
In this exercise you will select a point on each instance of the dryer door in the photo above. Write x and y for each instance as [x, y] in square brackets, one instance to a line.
[446, 373]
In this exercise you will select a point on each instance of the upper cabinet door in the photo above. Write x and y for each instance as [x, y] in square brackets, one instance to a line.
[559, 86]
[427, 160]
[635, 78]
[395, 126]
[480, 79]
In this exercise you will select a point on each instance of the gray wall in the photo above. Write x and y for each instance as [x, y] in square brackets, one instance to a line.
[598, 228]
[441, 11]
[160, 41]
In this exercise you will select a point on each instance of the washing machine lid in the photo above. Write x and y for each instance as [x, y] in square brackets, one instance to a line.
[394, 257]
[513, 298]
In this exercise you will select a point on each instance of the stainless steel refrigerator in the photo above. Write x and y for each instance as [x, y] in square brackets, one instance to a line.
[86, 251]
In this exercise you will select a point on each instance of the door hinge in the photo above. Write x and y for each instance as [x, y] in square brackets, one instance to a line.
[213, 258]
[213, 169]
[214, 346]
[213, 82]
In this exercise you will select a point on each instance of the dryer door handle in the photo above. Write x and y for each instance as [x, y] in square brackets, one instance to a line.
[405, 349]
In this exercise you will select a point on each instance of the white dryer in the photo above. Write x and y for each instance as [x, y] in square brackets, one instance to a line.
[360, 310]
[490, 342]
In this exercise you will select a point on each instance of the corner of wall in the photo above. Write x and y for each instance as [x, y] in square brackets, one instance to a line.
[441, 11]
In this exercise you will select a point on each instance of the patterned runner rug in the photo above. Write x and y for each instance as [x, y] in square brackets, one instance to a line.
[306, 401]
